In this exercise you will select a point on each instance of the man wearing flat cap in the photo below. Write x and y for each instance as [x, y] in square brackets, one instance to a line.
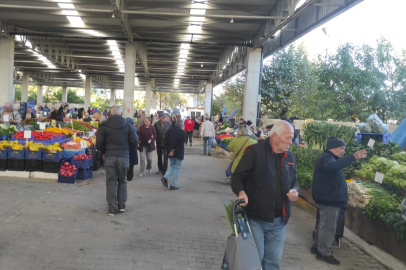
[329, 191]
[161, 128]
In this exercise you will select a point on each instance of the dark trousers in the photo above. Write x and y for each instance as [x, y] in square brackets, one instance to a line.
[162, 154]
[116, 182]
[189, 136]
[130, 173]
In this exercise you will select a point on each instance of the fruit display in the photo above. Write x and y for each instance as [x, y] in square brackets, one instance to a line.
[67, 169]
[64, 131]
[83, 157]
[16, 146]
[224, 136]
[52, 148]
[79, 126]
[32, 146]
[38, 135]
[31, 122]
[4, 144]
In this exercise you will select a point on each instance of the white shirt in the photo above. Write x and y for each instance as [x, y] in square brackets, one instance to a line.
[207, 129]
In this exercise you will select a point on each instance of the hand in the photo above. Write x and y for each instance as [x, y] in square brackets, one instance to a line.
[360, 154]
[149, 141]
[293, 195]
[171, 154]
[103, 157]
[242, 195]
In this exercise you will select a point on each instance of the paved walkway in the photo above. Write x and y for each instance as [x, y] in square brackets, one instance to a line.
[46, 225]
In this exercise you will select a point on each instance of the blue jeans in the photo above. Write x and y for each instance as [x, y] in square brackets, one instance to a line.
[269, 238]
[205, 141]
[175, 168]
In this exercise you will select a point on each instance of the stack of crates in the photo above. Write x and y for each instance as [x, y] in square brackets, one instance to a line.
[23, 108]
[85, 169]
[34, 161]
[3, 158]
[16, 159]
[52, 161]
[97, 158]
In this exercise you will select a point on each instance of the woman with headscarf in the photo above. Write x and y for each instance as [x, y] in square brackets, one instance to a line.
[14, 116]
[133, 153]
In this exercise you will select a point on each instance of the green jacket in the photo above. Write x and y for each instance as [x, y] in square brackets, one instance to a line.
[235, 146]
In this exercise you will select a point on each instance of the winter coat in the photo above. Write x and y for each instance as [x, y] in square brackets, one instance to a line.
[175, 141]
[115, 137]
[235, 146]
[189, 123]
[147, 134]
[133, 150]
[161, 131]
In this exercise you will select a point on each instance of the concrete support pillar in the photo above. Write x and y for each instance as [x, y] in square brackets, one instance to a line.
[153, 106]
[6, 69]
[112, 97]
[252, 95]
[129, 80]
[39, 94]
[88, 91]
[148, 98]
[209, 98]
[195, 97]
[24, 87]
[65, 94]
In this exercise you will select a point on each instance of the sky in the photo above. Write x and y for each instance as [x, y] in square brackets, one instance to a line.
[362, 24]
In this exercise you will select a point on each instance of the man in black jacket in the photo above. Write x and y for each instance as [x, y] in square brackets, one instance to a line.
[175, 146]
[266, 179]
[114, 139]
[161, 127]
[329, 190]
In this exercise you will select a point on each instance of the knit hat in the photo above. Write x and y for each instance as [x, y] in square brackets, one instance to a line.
[334, 142]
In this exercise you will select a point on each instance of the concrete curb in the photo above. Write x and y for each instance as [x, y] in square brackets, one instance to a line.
[29, 175]
[380, 255]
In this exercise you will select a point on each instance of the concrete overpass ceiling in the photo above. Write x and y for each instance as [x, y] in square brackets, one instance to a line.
[182, 42]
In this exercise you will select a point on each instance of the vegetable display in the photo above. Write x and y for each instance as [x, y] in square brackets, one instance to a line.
[52, 148]
[305, 163]
[31, 122]
[82, 157]
[227, 140]
[79, 126]
[224, 136]
[60, 130]
[45, 135]
[227, 124]
[8, 131]
[67, 169]
[317, 133]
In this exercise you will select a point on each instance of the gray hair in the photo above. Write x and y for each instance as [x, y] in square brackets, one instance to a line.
[242, 130]
[179, 123]
[279, 128]
[9, 104]
[116, 110]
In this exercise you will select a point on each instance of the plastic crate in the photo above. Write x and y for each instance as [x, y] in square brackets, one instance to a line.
[54, 157]
[3, 164]
[35, 154]
[83, 164]
[16, 164]
[67, 179]
[58, 139]
[21, 141]
[96, 164]
[51, 166]
[379, 137]
[3, 137]
[17, 154]
[33, 165]
[4, 153]
[84, 174]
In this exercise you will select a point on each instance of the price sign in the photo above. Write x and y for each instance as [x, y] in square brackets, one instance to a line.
[38, 115]
[83, 144]
[42, 126]
[45, 113]
[53, 123]
[6, 118]
[27, 134]
[379, 177]
[371, 143]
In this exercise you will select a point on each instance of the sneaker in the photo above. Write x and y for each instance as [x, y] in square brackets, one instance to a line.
[204, 153]
[190, 145]
[121, 210]
[314, 250]
[141, 175]
[112, 212]
[159, 172]
[209, 154]
[164, 182]
[328, 259]
[173, 188]
[148, 171]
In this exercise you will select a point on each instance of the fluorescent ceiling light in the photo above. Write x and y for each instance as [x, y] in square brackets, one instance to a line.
[181, 68]
[185, 46]
[116, 53]
[67, 6]
[112, 42]
[122, 70]
[194, 28]
[119, 62]
[196, 19]
[75, 21]
[184, 51]
[197, 11]
[117, 56]
[277, 33]
[182, 60]
[301, 2]
[199, 6]
[181, 64]
[62, 1]
[70, 12]
[83, 76]
[114, 48]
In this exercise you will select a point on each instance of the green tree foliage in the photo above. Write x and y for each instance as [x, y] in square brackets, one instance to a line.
[32, 92]
[171, 100]
[232, 96]
[100, 102]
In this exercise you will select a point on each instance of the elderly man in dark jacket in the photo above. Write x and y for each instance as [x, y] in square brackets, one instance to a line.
[175, 146]
[161, 127]
[329, 190]
[114, 139]
[266, 179]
